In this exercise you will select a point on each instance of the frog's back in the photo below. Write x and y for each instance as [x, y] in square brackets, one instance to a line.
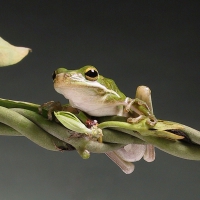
[109, 83]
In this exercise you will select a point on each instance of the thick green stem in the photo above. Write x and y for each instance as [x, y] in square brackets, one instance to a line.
[28, 129]
[49, 134]
[52, 136]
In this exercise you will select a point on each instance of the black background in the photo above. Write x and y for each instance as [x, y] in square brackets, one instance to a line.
[153, 43]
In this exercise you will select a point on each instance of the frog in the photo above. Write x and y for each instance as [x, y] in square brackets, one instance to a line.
[99, 96]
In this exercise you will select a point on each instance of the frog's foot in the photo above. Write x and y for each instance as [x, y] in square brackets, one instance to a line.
[151, 120]
[136, 119]
[141, 108]
[50, 106]
[137, 105]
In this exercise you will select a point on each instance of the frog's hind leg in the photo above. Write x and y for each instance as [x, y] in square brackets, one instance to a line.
[147, 151]
[144, 93]
[142, 105]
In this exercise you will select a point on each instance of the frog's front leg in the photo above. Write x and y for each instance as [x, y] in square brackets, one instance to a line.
[142, 105]
[52, 106]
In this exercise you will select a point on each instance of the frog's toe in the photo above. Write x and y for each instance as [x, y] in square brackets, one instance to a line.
[135, 120]
[152, 121]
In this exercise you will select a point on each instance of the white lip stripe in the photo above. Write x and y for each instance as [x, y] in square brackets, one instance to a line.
[79, 77]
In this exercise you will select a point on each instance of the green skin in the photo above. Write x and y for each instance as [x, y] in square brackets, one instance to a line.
[99, 96]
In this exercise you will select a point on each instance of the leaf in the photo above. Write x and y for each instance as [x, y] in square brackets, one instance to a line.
[10, 55]
[71, 122]
[159, 130]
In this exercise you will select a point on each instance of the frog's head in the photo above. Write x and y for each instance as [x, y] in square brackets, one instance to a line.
[87, 73]
[73, 83]
[87, 90]
[83, 82]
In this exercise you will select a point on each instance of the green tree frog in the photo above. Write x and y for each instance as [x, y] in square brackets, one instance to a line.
[99, 96]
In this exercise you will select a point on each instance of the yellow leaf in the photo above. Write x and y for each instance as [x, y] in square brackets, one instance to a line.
[10, 55]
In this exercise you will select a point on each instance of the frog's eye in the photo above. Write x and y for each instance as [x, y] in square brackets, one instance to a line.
[91, 74]
[54, 75]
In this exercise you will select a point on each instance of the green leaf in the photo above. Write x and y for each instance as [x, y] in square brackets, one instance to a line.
[71, 122]
[10, 55]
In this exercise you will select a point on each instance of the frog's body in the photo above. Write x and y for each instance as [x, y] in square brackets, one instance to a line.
[100, 97]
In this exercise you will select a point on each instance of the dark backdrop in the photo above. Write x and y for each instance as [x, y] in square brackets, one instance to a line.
[153, 43]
